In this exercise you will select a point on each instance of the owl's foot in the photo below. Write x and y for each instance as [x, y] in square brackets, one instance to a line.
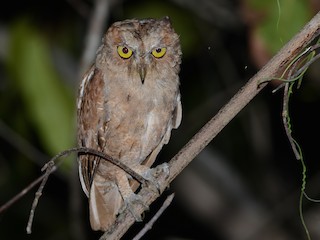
[130, 203]
[151, 176]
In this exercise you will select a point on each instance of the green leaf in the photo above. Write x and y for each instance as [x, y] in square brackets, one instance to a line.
[282, 19]
[49, 104]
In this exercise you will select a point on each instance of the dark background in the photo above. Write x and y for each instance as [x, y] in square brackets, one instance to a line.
[244, 185]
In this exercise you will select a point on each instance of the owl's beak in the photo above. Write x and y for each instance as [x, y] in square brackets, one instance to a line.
[142, 72]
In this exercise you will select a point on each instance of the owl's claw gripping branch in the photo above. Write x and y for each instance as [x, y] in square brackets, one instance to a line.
[129, 204]
[151, 177]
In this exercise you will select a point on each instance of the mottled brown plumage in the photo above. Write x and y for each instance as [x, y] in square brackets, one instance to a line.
[128, 103]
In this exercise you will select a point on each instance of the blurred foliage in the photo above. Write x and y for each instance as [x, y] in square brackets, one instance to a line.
[47, 101]
[280, 20]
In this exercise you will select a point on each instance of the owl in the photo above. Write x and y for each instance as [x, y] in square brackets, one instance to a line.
[128, 103]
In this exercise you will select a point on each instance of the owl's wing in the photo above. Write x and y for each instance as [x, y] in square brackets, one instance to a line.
[177, 113]
[175, 123]
[89, 119]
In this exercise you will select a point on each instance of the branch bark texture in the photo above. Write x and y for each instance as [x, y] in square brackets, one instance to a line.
[271, 70]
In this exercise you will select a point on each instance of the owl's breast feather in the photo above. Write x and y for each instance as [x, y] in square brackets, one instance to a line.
[135, 127]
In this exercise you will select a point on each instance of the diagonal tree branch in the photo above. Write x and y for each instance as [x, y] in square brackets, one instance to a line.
[274, 67]
[149, 225]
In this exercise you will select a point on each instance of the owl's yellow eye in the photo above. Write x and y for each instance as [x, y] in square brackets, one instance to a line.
[159, 52]
[124, 52]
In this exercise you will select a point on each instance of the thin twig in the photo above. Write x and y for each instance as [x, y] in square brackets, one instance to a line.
[285, 109]
[51, 166]
[114, 161]
[310, 199]
[49, 169]
[296, 77]
[293, 76]
[17, 197]
[286, 119]
[149, 225]
[306, 65]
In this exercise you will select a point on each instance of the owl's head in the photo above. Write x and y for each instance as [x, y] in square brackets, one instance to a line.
[145, 49]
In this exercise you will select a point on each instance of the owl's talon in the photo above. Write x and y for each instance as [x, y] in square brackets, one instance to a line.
[152, 174]
[129, 204]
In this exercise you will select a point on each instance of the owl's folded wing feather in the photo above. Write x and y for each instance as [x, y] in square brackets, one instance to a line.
[174, 123]
[90, 110]
[177, 113]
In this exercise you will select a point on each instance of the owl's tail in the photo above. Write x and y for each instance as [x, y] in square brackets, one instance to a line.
[105, 202]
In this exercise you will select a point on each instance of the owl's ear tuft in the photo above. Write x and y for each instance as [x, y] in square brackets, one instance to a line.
[167, 20]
